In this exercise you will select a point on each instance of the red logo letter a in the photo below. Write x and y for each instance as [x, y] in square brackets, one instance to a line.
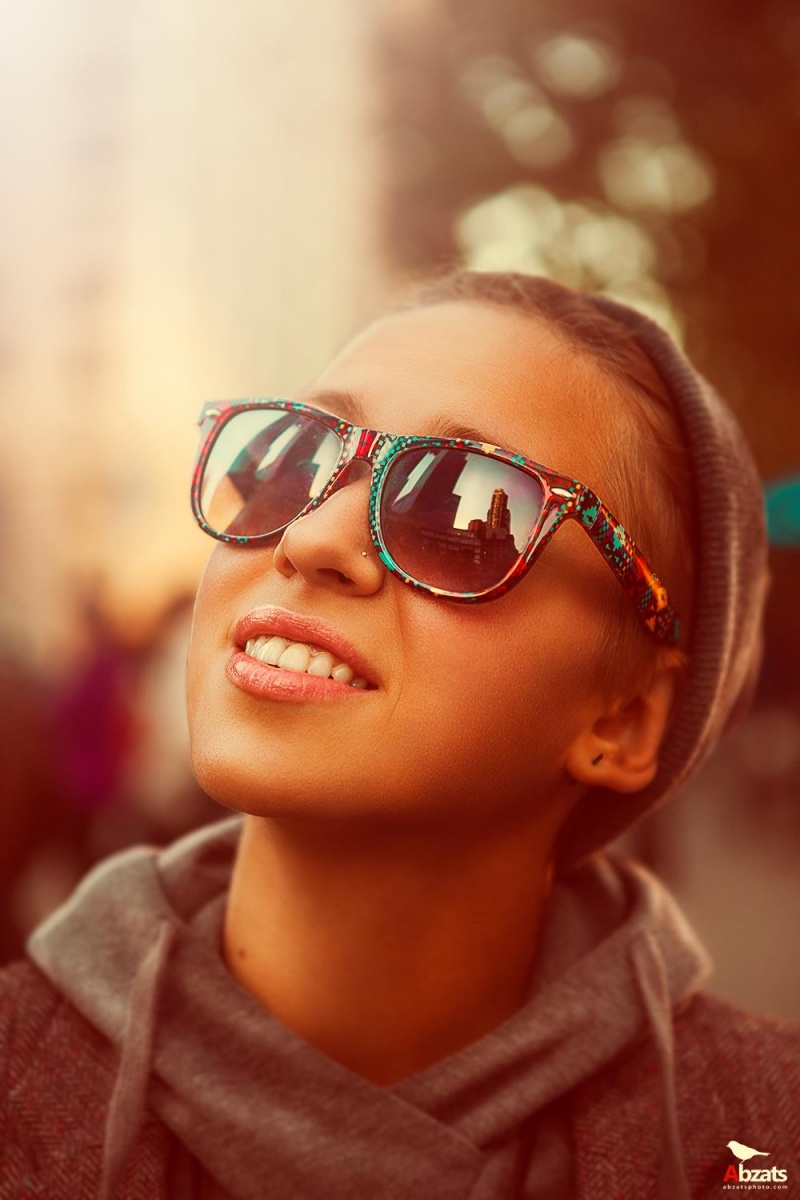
[731, 1175]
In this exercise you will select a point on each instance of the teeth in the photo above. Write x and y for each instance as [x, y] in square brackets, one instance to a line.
[255, 646]
[343, 673]
[298, 656]
[321, 664]
[295, 657]
[272, 650]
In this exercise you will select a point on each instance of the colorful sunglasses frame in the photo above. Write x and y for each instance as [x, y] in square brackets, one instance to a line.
[563, 499]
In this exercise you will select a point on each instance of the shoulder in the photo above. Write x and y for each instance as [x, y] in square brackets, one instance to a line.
[33, 1013]
[58, 1072]
[723, 1050]
[746, 1045]
[27, 1003]
[745, 1068]
[740, 1069]
[52, 1063]
[736, 1077]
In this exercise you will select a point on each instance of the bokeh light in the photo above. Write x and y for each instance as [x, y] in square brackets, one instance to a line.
[575, 65]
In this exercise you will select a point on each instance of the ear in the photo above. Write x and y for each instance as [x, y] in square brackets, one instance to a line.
[628, 736]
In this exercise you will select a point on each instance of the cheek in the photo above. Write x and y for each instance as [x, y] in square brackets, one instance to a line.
[490, 699]
[232, 582]
[200, 663]
[208, 632]
[223, 594]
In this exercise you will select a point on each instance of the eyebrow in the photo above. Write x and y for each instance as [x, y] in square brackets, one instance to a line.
[348, 406]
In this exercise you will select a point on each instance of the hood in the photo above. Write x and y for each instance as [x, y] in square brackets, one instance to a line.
[137, 950]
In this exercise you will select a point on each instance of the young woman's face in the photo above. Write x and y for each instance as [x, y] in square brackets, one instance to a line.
[473, 706]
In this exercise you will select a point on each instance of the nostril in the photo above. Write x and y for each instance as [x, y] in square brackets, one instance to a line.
[331, 572]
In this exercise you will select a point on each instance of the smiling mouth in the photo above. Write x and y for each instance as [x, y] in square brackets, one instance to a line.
[303, 658]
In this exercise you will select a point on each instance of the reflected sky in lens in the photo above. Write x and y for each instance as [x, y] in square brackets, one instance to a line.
[264, 467]
[260, 437]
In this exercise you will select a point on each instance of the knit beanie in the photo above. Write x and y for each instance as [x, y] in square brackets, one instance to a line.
[731, 583]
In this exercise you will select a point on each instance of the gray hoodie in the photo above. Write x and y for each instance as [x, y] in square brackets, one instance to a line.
[137, 950]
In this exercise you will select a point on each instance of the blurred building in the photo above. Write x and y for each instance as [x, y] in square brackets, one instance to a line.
[187, 215]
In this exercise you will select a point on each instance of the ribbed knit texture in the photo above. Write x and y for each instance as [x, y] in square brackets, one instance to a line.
[731, 584]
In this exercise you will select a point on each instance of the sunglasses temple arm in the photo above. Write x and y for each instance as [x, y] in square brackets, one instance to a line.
[642, 585]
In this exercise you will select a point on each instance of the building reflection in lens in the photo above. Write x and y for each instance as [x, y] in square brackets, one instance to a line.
[430, 527]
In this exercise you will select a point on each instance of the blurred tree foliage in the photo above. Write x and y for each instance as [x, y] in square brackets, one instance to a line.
[675, 124]
[722, 79]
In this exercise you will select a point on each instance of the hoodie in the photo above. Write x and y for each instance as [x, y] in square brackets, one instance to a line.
[137, 950]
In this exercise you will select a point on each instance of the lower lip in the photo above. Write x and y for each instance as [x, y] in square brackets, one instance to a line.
[273, 683]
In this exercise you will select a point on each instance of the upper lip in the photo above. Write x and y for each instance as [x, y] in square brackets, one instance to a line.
[298, 627]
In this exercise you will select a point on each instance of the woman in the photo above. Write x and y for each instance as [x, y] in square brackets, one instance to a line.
[436, 674]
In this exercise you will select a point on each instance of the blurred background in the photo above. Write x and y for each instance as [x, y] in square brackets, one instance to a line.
[202, 201]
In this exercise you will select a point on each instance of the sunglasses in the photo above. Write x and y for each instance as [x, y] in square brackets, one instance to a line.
[456, 518]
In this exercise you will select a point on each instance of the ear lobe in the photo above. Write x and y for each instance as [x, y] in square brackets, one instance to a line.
[628, 737]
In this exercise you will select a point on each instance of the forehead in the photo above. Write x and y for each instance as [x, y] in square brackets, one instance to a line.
[507, 375]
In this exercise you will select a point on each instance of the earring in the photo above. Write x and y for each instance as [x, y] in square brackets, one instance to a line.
[363, 554]
[572, 779]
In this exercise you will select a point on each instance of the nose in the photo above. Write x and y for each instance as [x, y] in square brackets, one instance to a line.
[331, 546]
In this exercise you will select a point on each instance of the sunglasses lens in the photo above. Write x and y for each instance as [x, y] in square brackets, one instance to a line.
[456, 519]
[264, 467]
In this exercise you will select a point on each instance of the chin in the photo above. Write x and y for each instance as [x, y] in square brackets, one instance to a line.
[237, 783]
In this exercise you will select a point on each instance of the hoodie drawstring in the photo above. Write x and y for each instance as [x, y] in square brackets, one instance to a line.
[126, 1107]
[651, 977]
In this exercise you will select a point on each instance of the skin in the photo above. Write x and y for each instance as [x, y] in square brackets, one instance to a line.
[395, 856]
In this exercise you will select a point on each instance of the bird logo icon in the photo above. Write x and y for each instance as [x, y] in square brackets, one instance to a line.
[744, 1153]
[740, 1173]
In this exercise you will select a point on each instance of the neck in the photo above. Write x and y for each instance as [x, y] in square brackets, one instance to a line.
[387, 950]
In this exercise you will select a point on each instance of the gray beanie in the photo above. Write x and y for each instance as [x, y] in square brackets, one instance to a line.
[731, 583]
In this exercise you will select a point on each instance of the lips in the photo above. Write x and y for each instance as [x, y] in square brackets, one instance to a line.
[298, 627]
